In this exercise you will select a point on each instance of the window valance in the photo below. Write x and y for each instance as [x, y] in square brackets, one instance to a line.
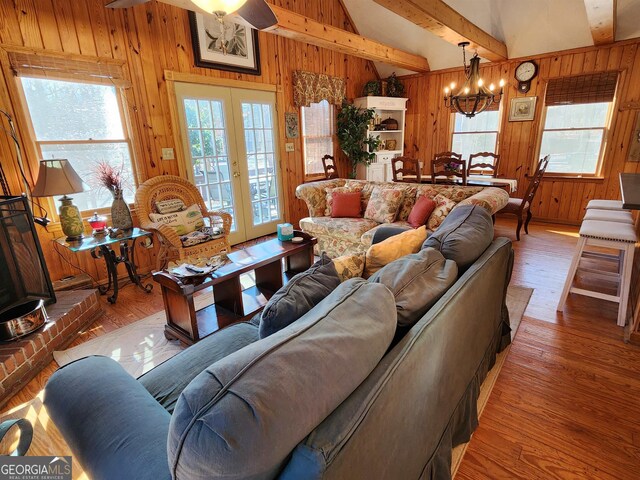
[309, 87]
[590, 88]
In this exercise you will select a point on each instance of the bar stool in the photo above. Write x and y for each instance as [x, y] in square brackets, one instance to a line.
[612, 235]
[605, 204]
[621, 216]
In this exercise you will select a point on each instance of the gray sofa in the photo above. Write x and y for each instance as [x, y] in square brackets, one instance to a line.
[325, 398]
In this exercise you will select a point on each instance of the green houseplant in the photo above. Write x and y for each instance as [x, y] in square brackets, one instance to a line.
[355, 142]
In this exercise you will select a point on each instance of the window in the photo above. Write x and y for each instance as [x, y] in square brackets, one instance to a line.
[476, 134]
[573, 137]
[317, 135]
[83, 123]
[577, 112]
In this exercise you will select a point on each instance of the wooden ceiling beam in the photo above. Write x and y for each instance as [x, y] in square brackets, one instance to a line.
[440, 19]
[602, 20]
[303, 29]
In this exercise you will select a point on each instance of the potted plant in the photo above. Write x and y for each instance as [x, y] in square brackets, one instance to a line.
[395, 88]
[353, 135]
[371, 88]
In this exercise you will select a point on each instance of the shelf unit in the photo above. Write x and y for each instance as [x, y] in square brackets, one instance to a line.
[386, 107]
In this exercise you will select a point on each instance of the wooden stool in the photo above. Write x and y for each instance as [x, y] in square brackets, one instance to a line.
[612, 235]
[621, 216]
[605, 204]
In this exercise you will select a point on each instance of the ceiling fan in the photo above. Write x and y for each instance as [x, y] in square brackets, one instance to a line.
[255, 12]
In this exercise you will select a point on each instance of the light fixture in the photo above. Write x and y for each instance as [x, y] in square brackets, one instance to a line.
[57, 177]
[219, 7]
[473, 97]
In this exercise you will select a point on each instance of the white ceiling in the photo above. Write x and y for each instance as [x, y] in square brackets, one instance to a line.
[528, 27]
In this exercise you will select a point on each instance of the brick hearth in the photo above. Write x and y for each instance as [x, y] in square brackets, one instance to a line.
[23, 359]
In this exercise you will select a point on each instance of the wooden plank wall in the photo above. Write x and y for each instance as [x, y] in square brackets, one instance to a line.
[151, 39]
[560, 200]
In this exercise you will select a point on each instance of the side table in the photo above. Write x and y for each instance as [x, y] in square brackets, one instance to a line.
[102, 247]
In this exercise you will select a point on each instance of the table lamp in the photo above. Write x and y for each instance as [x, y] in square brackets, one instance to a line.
[57, 177]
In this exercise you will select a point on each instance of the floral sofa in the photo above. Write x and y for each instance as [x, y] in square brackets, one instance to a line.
[348, 236]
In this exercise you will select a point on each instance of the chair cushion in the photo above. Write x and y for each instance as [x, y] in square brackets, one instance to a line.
[346, 205]
[417, 281]
[621, 216]
[242, 417]
[384, 204]
[183, 222]
[464, 235]
[622, 232]
[513, 205]
[349, 266]
[349, 229]
[421, 211]
[392, 248]
[443, 207]
[605, 204]
[301, 294]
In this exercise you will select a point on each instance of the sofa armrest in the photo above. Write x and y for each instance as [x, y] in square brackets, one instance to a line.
[492, 198]
[314, 195]
[112, 424]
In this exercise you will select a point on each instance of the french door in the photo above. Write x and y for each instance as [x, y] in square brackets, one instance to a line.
[230, 150]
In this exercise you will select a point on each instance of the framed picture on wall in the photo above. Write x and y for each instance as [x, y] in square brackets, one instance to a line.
[226, 45]
[522, 109]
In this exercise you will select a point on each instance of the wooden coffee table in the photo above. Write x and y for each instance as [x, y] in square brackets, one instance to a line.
[272, 262]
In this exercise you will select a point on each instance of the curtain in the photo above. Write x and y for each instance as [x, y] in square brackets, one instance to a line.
[311, 88]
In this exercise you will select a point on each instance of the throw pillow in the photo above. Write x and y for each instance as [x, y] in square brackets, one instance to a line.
[170, 206]
[301, 294]
[329, 195]
[384, 204]
[349, 266]
[393, 248]
[183, 222]
[346, 205]
[443, 207]
[421, 212]
[464, 235]
[417, 281]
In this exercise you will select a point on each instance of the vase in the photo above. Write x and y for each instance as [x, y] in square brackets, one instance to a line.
[120, 213]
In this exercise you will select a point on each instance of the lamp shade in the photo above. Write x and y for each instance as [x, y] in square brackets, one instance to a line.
[57, 177]
[222, 6]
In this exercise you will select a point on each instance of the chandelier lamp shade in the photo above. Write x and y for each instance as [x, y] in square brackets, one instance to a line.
[475, 96]
[220, 7]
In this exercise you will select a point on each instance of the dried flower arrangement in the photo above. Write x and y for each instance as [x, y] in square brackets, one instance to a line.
[109, 177]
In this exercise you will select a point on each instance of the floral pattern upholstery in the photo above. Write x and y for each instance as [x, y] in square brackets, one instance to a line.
[349, 266]
[330, 191]
[345, 236]
[384, 204]
[443, 208]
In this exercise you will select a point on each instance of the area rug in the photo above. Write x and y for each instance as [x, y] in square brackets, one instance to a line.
[517, 301]
[141, 346]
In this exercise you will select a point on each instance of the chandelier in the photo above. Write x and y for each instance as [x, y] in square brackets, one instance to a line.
[474, 97]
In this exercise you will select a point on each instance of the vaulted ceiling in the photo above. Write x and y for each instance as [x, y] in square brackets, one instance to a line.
[527, 27]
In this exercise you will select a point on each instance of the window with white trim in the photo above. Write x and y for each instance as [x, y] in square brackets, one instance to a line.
[83, 123]
[318, 130]
[476, 134]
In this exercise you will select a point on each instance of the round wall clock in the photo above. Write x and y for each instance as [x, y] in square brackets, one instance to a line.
[525, 72]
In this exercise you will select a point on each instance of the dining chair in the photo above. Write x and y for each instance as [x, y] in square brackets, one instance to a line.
[447, 155]
[406, 166]
[520, 206]
[447, 167]
[486, 164]
[330, 170]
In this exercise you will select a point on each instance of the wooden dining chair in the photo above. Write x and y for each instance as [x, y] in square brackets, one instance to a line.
[403, 166]
[330, 170]
[448, 167]
[486, 164]
[447, 155]
[521, 206]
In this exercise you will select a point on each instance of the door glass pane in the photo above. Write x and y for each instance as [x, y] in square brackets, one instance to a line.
[259, 142]
[208, 147]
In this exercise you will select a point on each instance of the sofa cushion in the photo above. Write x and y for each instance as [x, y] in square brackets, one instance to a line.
[349, 229]
[349, 266]
[367, 237]
[443, 207]
[464, 235]
[301, 294]
[182, 222]
[421, 211]
[346, 205]
[417, 281]
[242, 417]
[384, 204]
[330, 191]
[392, 248]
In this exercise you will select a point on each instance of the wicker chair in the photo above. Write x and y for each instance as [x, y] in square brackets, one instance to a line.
[165, 187]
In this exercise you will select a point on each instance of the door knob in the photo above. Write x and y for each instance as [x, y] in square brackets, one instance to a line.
[236, 174]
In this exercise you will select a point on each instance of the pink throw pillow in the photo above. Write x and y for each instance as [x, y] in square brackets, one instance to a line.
[421, 212]
[346, 205]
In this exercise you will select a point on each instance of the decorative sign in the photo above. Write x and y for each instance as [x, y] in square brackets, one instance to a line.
[291, 122]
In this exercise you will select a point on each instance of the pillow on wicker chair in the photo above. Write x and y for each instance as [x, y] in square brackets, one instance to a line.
[183, 222]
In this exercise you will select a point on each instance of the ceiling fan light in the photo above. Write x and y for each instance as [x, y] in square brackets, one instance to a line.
[215, 6]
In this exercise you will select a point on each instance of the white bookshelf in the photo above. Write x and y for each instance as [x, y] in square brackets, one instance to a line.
[384, 107]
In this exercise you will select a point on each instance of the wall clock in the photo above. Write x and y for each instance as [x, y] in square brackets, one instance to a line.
[525, 72]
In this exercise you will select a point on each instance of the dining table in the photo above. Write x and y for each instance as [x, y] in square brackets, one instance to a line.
[509, 184]
[630, 191]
